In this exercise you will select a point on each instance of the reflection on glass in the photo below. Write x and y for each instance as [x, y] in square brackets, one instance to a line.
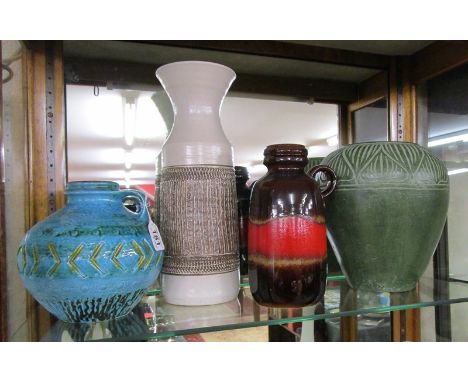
[155, 320]
[447, 129]
[443, 126]
[370, 122]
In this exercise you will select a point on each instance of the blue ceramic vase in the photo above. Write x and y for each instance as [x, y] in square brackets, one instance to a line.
[93, 259]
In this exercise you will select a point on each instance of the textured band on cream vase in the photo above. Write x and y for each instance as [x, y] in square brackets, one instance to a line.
[198, 208]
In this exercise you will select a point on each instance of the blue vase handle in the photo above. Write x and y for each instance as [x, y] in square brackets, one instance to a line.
[139, 198]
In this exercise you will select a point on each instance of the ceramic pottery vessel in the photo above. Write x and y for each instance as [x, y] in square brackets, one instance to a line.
[387, 213]
[332, 263]
[93, 259]
[198, 210]
[287, 234]
[243, 202]
[164, 106]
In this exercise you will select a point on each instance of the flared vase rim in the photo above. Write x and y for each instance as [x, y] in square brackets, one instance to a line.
[189, 62]
[291, 146]
[383, 142]
[91, 186]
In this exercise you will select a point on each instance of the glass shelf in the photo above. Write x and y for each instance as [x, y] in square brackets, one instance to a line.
[153, 319]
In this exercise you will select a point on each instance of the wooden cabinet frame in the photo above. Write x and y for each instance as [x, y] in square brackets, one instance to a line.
[43, 71]
[397, 80]
[3, 272]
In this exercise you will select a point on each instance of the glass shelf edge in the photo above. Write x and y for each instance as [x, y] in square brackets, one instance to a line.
[282, 321]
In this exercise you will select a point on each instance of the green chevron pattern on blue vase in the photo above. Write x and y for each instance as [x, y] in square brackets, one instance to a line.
[93, 259]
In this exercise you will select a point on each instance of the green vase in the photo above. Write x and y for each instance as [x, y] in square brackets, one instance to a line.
[387, 213]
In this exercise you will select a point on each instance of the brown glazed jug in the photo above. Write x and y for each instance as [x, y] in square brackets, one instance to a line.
[287, 246]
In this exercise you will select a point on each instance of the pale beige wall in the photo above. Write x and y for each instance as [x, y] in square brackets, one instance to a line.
[457, 222]
[457, 225]
[428, 314]
[458, 260]
[14, 122]
[458, 248]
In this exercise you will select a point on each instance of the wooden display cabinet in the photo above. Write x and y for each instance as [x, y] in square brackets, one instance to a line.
[342, 73]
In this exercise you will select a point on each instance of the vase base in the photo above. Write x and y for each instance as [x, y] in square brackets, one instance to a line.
[86, 310]
[200, 290]
[379, 288]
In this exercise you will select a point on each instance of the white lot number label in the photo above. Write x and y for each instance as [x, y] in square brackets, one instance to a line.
[155, 236]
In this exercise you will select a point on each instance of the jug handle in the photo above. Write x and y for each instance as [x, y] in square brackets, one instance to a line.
[330, 175]
[140, 198]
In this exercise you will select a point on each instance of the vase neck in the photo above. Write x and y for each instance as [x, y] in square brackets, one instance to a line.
[88, 200]
[288, 158]
[85, 192]
[196, 89]
[286, 168]
[196, 102]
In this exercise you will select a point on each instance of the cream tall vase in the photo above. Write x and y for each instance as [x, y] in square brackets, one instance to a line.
[197, 192]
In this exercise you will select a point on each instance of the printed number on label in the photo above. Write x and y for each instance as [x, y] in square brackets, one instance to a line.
[155, 236]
